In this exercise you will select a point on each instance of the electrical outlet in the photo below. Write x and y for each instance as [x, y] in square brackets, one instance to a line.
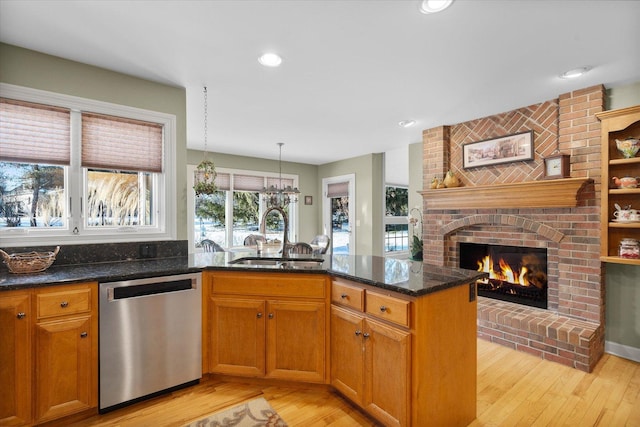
[472, 291]
[148, 250]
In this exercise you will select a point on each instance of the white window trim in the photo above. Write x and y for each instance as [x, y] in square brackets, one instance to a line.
[166, 197]
[191, 203]
[326, 208]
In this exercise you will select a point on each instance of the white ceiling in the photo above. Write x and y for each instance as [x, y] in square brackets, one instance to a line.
[351, 69]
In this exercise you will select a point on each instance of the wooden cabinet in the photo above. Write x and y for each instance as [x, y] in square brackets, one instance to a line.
[52, 332]
[618, 124]
[370, 359]
[15, 358]
[268, 325]
[407, 361]
[370, 365]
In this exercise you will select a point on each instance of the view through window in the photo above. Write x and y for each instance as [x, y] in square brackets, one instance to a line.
[396, 226]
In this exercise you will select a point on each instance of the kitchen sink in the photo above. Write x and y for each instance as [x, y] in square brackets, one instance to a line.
[285, 263]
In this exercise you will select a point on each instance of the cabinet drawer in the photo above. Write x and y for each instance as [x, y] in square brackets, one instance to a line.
[347, 295]
[50, 304]
[271, 285]
[386, 307]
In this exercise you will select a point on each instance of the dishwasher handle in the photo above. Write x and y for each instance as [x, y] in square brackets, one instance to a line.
[125, 292]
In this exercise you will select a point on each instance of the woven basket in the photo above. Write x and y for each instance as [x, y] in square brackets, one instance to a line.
[29, 262]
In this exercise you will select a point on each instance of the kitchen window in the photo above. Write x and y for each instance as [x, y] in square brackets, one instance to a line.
[75, 170]
[236, 209]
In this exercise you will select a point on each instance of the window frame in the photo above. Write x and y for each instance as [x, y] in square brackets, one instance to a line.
[75, 176]
[191, 197]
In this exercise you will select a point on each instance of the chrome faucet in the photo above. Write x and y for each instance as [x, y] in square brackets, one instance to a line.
[285, 218]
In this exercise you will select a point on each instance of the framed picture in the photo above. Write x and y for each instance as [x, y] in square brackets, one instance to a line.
[308, 200]
[505, 149]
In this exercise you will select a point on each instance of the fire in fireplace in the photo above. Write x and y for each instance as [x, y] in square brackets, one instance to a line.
[516, 274]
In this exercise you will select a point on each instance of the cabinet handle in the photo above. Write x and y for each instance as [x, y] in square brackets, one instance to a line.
[365, 335]
[358, 332]
[383, 308]
[21, 315]
[259, 316]
[64, 304]
[83, 335]
[344, 296]
[270, 315]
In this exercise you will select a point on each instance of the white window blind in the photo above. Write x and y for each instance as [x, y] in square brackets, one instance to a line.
[34, 133]
[110, 142]
[223, 181]
[338, 189]
[248, 182]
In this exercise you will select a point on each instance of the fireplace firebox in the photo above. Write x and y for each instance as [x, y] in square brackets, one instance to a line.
[516, 274]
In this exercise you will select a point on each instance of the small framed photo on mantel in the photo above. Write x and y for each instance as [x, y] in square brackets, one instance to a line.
[557, 165]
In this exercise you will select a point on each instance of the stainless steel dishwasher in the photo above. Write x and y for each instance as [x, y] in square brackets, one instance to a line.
[150, 337]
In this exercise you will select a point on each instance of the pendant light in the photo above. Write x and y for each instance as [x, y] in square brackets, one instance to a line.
[204, 176]
[279, 197]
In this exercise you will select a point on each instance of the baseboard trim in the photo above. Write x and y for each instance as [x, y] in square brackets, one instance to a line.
[621, 350]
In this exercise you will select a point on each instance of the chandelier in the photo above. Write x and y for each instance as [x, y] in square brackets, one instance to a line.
[204, 176]
[280, 197]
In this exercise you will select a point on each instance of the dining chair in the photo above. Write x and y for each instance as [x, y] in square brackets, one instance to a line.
[253, 239]
[322, 241]
[211, 246]
[301, 248]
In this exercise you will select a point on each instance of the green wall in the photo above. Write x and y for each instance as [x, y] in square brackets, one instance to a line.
[32, 69]
[369, 173]
[623, 281]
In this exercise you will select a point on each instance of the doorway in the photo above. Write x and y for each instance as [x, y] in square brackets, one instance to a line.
[338, 212]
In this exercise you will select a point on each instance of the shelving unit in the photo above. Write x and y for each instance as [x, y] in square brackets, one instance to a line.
[618, 124]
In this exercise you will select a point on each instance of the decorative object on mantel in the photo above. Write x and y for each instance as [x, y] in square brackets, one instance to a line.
[557, 165]
[204, 178]
[505, 149]
[29, 262]
[434, 183]
[451, 180]
[415, 218]
[628, 147]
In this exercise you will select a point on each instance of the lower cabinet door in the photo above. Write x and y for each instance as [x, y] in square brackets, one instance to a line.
[296, 340]
[15, 359]
[388, 373]
[64, 367]
[347, 353]
[237, 344]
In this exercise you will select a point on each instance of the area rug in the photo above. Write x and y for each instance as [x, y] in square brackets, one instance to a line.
[256, 413]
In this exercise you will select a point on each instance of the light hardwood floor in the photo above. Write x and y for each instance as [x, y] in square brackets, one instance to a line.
[514, 389]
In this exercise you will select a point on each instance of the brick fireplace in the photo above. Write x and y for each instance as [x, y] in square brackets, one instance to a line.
[520, 209]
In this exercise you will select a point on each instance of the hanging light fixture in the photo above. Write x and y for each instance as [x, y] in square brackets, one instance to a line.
[280, 197]
[205, 174]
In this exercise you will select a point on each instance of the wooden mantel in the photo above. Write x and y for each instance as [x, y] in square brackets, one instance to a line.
[556, 193]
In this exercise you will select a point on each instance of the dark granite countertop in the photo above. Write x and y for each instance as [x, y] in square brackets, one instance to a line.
[404, 276]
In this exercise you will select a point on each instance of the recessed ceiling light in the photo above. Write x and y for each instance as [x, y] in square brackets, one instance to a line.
[575, 73]
[270, 60]
[434, 6]
[406, 123]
